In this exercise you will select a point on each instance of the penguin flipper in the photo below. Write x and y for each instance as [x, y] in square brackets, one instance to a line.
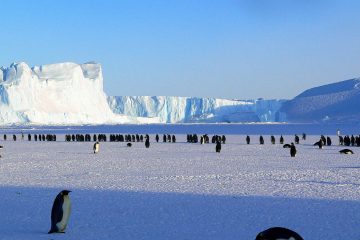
[56, 213]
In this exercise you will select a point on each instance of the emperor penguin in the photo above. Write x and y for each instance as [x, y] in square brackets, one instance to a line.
[60, 212]
[346, 151]
[147, 143]
[96, 147]
[278, 233]
[292, 150]
[247, 139]
[218, 146]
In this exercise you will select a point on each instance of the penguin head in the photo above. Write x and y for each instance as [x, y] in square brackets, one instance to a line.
[65, 192]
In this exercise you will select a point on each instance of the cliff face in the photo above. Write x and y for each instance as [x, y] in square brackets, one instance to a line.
[64, 93]
[191, 109]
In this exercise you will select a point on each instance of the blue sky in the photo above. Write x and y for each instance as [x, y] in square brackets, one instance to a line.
[205, 48]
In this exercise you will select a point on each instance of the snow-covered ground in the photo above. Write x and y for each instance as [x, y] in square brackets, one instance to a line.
[180, 190]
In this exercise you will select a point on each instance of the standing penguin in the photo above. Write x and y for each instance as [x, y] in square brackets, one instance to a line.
[60, 212]
[218, 146]
[261, 139]
[277, 233]
[147, 143]
[247, 139]
[281, 139]
[96, 147]
[292, 150]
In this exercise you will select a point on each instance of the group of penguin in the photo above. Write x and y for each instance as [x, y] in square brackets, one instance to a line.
[61, 210]
[323, 141]
[221, 139]
[96, 145]
[327, 142]
[62, 205]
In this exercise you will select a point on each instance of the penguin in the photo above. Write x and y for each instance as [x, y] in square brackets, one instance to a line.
[346, 151]
[218, 146]
[287, 146]
[1, 147]
[281, 140]
[272, 139]
[247, 139]
[278, 233]
[96, 147]
[60, 212]
[320, 143]
[328, 141]
[304, 136]
[147, 143]
[157, 138]
[261, 139]
[292, 150]
[297, 139]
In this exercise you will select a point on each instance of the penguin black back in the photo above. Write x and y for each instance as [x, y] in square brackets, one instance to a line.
[281, 139]
[346, 151]
[147, 143]
[60, 212]
[247, 139]
[261, 140]
[292, 150]
[218, 146]
[277, 233]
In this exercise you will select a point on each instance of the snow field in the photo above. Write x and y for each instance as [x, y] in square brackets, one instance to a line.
[180, 190]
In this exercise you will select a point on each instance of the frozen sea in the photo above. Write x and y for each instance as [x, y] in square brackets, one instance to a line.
[181, 190]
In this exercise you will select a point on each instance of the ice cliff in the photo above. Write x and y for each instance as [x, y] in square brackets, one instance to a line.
[70, 93]
[194, 110]
[64, 93]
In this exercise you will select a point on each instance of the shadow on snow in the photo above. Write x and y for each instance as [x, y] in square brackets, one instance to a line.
[104, 214]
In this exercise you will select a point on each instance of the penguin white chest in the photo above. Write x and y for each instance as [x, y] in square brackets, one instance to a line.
[96, 149]
[66, 207]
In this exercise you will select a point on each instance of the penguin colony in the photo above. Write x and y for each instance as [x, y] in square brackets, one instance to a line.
[191, 138]
[61, 209]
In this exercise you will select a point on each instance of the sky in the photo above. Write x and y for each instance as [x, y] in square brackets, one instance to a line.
[205, 48]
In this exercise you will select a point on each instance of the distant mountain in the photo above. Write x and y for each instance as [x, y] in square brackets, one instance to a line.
[336, 102]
